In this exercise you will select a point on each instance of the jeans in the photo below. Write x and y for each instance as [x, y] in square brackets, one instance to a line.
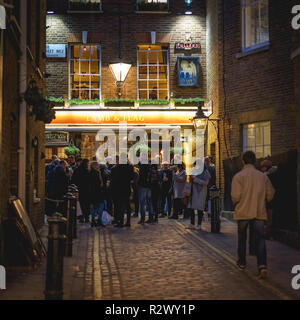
[97, 209]
[165, 195]
[145, 198]
[260, 243]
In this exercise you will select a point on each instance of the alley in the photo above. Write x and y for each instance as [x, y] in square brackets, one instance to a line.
[161, 262]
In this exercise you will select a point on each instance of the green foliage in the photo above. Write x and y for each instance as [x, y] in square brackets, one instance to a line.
[141, 148]
[153, 102]
[80, 101]
[56, 100]
[42, 108]
[116, 100]
[71, 150]
[189, 101]
[174, 150]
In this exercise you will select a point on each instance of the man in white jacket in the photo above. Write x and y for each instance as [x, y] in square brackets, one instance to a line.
[250, 192]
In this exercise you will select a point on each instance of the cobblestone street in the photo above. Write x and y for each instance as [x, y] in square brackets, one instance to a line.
[159, 262]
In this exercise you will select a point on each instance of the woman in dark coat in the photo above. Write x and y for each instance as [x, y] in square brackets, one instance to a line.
[97, 193]
[81, 178]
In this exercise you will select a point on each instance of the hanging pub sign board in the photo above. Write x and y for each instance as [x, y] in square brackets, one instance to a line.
[57, 138]
[187, 46]
[56, 51]
[188, 71]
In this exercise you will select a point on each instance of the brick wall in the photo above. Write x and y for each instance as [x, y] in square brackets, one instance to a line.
[257, 87]
[10, 121]
[133, 24]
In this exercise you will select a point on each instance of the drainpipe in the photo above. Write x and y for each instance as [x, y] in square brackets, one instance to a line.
[22, 113]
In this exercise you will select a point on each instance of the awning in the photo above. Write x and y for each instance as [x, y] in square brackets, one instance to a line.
[2, 17]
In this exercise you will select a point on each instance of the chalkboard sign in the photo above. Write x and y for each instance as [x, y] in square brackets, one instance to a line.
[23, 216]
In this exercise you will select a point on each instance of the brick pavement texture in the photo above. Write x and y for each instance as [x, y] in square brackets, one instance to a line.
[162, 261]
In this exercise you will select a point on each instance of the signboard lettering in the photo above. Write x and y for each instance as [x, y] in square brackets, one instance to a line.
[56, 51]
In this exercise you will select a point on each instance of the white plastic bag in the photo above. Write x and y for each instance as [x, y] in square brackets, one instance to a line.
[78, 210]
[106, 218]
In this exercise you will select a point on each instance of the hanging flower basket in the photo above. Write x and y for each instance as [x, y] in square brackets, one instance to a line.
[71, 150]
[41, 108]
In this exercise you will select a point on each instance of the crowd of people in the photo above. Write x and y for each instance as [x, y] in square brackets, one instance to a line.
[165, 190]
[161, 190]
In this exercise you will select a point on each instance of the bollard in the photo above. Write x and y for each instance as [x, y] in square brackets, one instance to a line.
[69, 227]
[215, 209]
[54, 274]
[74, 190]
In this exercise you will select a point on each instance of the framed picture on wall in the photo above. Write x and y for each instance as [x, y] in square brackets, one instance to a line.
[188, 71]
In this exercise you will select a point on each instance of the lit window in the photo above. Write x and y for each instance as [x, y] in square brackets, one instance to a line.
[85, 5]
[152, 5]
[153, 72]
[257, 138]
[85, 72]
[255, 15]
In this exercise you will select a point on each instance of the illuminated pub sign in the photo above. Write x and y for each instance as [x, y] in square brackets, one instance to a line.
[187, 46]
[130, 117]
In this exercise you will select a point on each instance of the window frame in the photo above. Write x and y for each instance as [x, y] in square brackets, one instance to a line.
[83, 10]
[167, 50]
[244, 27]
[70, 59]
[257, 125]
[167, 10]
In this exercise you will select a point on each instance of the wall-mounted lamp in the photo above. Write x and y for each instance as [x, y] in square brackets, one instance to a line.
[188, 7]
[200, 120]
[120, 69]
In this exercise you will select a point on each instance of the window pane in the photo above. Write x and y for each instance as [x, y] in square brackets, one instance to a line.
[152, 5]
[85, 72]
[153, 76]
[85, 5]
[256, 137]
[256, 22]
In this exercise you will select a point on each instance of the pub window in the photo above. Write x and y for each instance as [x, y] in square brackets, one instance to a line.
[153, 72]
[255, 14]
[152, 5]
[85, 72]
[85, 5]
[257, 138]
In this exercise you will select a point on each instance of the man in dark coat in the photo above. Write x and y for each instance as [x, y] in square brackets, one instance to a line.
[81, 178]
[121, 178]
[59, 186]
[96, 194]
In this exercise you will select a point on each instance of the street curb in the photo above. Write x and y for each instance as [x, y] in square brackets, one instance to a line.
[229, 258]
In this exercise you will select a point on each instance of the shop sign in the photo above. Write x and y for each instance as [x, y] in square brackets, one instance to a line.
[188, 71]
[187, 46]
[129, 117]
[57, 138]
[56, 51]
